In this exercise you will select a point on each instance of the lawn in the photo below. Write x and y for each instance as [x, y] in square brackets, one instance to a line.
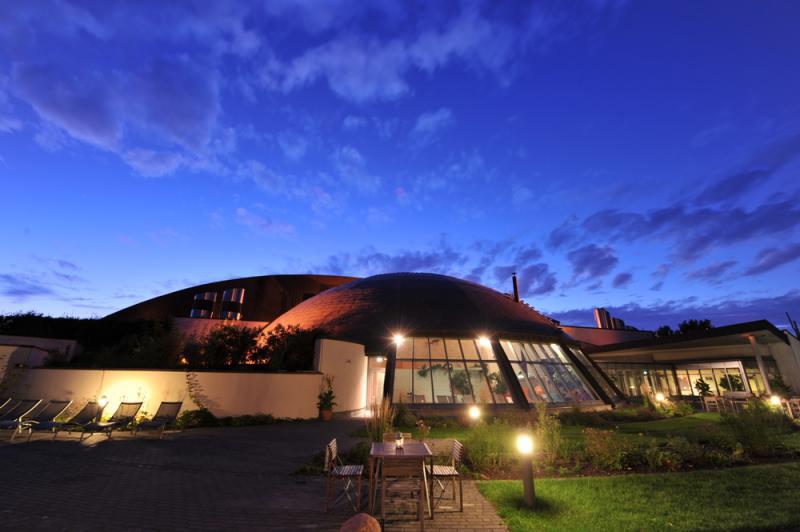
[762, 497]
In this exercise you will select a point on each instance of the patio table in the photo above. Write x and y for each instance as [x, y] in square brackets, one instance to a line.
[415, 451]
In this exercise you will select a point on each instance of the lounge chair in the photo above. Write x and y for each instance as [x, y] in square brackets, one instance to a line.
[124, 416]
[165, 416]
[5, 404]
[17, 413]
[90, 413]
[47, 414]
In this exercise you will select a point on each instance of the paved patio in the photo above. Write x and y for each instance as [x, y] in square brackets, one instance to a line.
[203, 479]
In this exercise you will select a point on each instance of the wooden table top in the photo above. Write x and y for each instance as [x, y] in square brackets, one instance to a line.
[410, 449]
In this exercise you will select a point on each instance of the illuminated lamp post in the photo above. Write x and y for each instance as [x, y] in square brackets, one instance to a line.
[525, 449]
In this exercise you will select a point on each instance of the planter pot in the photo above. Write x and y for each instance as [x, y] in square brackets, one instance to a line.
[326, 415]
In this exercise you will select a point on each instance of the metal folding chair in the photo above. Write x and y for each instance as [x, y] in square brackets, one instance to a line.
[336, 470]
[449, 474]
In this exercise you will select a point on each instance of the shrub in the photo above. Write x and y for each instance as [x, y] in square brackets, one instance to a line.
[682, 408]
[548, 435]
[758, 428]
[605, 451]
[190, 419]
[661, 456]
[488, 447]
[381, 421]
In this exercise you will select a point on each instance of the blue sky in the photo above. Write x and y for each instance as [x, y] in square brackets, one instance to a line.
[636, 155]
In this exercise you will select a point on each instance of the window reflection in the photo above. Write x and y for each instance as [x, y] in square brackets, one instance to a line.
[448, 371]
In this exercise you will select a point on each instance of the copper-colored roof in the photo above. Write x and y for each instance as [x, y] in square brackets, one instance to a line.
[369, 311]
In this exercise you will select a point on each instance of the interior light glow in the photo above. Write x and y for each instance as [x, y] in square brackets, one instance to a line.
[378, 359]
[398, 339]
[524, 444]
[103, 401]
[483, 341]
[660, 397]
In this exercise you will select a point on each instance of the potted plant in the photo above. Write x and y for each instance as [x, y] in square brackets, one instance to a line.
[326, 398]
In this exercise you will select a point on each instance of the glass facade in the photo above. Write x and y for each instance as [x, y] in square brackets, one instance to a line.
[682, 380]
[203, 305]
[545, 373]
[447, 371]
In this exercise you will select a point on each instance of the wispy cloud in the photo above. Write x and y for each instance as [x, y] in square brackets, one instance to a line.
[262, 225]
[429, 124]
[770, 258]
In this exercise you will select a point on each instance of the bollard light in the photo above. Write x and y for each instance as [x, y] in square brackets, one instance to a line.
[525, 449]
[525, 445]
[660, 397]
[474, 413]
[775, 400]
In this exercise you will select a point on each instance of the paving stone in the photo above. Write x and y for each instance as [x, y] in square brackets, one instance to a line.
[203, 479]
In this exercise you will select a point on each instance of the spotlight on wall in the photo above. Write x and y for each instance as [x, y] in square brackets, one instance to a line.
[660, 397]
[484, 342]
[775, 400]
[474, 413]
[398, 339]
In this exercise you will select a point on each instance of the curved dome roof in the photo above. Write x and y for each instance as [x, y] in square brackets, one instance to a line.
[266, 297]
[369, 311]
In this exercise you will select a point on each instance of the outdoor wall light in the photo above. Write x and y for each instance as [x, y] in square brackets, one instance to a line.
[474, 413]
[398, 339]
[483, 341]
[775, 400]
[525, 448]
[103, 401]
[660, 397]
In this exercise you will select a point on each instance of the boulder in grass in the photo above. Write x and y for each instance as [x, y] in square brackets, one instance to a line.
[361, 523]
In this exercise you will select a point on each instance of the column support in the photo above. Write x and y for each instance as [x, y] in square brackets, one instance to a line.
[760, 362]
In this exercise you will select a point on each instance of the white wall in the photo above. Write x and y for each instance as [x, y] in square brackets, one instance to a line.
[347, 363]
[284, 395]
[225, 393]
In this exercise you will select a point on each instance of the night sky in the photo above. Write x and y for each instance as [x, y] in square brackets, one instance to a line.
[642, 156]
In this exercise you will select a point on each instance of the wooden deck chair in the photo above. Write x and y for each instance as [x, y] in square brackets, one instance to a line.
[403, 478]
[449, 474]
[337, 471]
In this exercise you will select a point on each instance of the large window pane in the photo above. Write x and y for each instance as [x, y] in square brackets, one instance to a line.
[437, 348]
[512, 350]
[402, 382]
[405, 349]
[537, 383]
[684, 384]
[441, 381]
[453, 349]
[498, 384]
[521, 371]
[477, 378]
[422, 382]
[486, 351]
[462, 388]
[421, 349]
[470, 348]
